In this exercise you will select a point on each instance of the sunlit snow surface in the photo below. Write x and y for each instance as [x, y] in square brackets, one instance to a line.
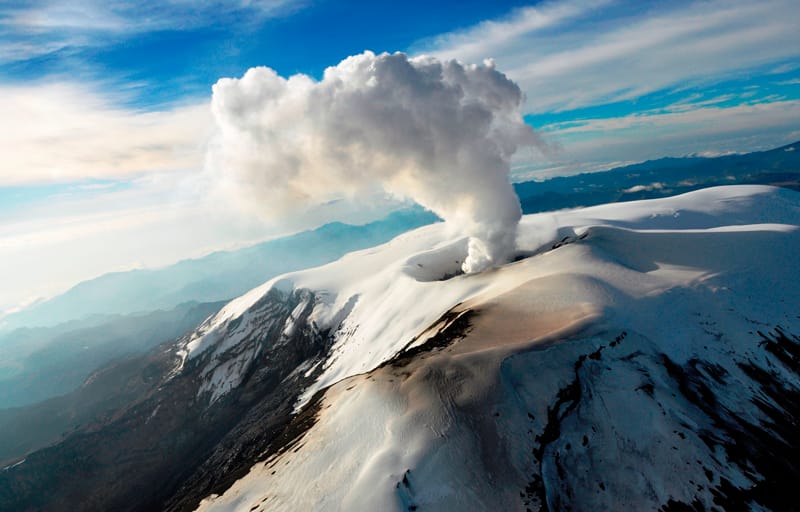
[674, 274]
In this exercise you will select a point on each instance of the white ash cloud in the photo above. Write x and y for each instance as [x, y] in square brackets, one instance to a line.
[440, 133]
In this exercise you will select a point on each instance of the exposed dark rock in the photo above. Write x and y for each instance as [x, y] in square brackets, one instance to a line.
[452, 326]
[757, 455]
[567, 399]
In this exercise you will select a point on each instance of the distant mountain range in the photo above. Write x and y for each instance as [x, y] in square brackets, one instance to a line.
[219, 276]
[662, 178]
[47, 337]
[226, 274]
[41, 362]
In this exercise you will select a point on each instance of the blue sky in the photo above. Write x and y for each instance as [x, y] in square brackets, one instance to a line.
[105, 103]
[177, 59]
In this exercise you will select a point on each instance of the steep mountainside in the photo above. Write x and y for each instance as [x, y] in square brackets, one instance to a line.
[71, 379]
[634, 356]
[40, 363]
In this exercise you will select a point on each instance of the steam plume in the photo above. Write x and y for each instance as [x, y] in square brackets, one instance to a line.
[439, 133]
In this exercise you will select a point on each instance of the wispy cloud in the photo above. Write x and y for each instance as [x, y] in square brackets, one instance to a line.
[477, 43]
[736, 118]
[68, 132]
[695, 101]
[572, 54]
[32, 29]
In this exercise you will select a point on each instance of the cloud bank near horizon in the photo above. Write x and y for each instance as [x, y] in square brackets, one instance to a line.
[440, 133]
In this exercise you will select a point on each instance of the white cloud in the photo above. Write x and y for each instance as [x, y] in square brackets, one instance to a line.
[644, 188]
[471, 45]
[580, 54]
[439, 133]
[69, 132]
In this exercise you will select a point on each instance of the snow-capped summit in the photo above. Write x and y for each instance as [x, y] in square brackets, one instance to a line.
[379, 301]
[608, 351]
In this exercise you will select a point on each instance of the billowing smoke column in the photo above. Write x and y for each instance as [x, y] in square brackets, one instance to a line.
[439, 133]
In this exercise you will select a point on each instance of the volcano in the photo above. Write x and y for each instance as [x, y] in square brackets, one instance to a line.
[641, 355]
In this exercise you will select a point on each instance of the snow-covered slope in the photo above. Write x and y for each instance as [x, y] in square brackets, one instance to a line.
[616, 364]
